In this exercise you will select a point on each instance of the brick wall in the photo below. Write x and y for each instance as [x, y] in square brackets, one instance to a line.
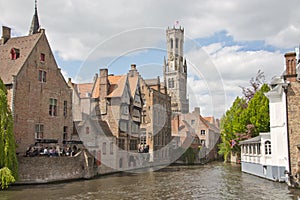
[31, 99]
[294, 123]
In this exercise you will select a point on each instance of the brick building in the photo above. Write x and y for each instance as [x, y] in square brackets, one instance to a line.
[38, 95]
[292, 77]
[156, 116]
[193, 130]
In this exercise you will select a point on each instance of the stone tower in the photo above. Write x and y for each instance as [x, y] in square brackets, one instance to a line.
[175, 70]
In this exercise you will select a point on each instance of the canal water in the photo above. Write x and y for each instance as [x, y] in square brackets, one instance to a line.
[211, 181]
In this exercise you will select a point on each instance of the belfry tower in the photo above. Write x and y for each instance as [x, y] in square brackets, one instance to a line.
[175, 70]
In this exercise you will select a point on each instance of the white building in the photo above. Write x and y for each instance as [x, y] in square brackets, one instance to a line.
[267, 154]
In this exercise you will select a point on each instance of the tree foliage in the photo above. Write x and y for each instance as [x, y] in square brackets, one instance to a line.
[8, 157]
[247, 117]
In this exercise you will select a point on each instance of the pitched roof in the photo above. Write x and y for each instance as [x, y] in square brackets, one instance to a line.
[256, 139]
[117, 85]
[133, 83]
[153, 81]
[9, 67]
[84, 89]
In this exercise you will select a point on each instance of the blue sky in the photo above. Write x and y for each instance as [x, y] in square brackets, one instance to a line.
[226, 42]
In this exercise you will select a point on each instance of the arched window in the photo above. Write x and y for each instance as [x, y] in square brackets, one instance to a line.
[171, 43]
[268, 148]
[176, 42]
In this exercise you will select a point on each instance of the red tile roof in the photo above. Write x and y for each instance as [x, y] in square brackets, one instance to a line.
[9, 67]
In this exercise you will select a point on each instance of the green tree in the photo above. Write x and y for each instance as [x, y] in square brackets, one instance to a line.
[8, 159]
[258, 111]
[232, 123]
[246, 118]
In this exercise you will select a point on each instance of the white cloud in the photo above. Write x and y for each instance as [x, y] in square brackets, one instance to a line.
[79, 30]
[216, 74]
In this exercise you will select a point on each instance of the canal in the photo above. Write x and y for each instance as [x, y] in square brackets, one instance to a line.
[211, 181]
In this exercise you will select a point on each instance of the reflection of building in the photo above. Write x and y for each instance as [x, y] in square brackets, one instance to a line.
[38, 95]
[175, 71]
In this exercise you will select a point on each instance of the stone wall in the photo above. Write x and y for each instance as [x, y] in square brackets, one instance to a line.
[50, 169]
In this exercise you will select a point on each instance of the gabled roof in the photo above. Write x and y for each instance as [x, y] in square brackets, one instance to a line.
[208, 124]
[84, 89]
[133, 83]
[9, 67]
[117, 85]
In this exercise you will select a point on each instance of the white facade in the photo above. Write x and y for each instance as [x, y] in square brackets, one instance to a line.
[278, 123]
[267, 154]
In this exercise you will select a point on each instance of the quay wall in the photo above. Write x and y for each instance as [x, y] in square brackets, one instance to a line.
[41, 169]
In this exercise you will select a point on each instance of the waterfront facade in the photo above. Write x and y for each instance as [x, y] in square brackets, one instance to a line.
[267, 155]
[192, 130]
[38, 95]
[156, 116]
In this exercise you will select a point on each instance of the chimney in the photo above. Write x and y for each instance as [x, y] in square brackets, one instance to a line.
[196, 110]
[133, 66]
[290, 63]
[103, 83]
[103, 90]
[6, 32]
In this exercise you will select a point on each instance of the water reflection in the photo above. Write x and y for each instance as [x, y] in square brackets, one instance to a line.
[212, 181]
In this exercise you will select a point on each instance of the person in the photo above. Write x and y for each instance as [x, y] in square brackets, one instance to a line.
[58, 153]
[46, 152]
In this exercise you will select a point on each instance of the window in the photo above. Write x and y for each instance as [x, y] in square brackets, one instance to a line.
[171, 82]
[202, 142]
[134, 127]
[124, 109]
[65, 133]
[133, 145]
[111, 145]
[123, 126]
[104, 148]
[268, 148]
[136, 113]
[193, 122]
[52, 107]
[39, 131]
[42, 57]
[65, 108]
[121, 143]
[14, 53]
[171, 41]
[250, 149]
[87, 130]
[202, 132]
[176, 42]
[42, 76]
[258, 149]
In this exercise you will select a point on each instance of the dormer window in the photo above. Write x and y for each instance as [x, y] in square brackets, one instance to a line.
[14, 53]
[42, 57]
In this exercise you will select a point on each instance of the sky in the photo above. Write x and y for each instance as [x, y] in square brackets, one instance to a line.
[226, 42]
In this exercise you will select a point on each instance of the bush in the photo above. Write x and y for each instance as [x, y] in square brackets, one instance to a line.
[6, 178]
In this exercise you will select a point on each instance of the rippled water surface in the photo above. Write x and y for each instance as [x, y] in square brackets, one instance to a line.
[212, 181]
